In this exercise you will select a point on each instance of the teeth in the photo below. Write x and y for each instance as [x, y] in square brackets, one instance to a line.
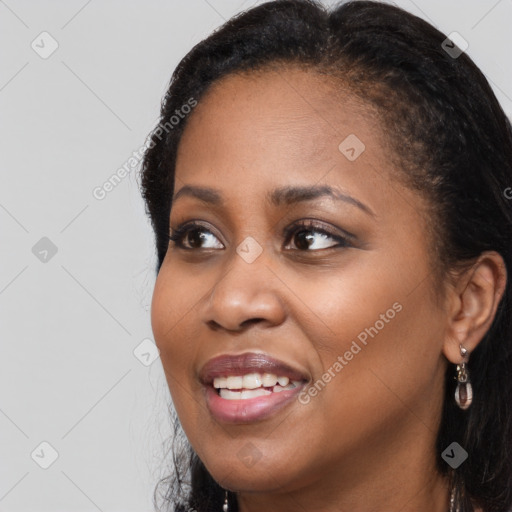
[253, 393]
[220, 382]
[245, 392]
[251, 381]
[269, 380]
[234, 382]
[243, 395]
[283, 381]
[252, 385]
[230, 395]
[282, 388]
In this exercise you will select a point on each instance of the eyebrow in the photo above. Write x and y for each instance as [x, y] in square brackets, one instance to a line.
[284, 195]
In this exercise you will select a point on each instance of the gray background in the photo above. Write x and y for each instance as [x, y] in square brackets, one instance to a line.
[71, 321]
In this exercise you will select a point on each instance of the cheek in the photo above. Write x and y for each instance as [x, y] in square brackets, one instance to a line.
[372, 314]
[384, 361]
[171, 305]
[175, 296]
[176, 328]
[343, 302]
[163, 312]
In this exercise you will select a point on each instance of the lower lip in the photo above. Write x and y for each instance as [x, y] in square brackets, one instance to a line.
[250, 409]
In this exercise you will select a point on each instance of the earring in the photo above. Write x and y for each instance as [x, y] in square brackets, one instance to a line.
[464, 390]
[225, 507]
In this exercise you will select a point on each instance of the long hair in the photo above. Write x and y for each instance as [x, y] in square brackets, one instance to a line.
[452, 143]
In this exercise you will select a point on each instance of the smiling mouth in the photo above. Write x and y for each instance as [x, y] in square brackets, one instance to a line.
[249, 387]
[252, 385]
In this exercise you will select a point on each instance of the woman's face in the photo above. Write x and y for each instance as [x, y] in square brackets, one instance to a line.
[308, 253]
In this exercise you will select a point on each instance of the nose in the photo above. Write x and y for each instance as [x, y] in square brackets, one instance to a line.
[246, 294]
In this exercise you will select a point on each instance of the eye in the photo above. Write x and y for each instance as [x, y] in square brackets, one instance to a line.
[194, 236]
[309, 235]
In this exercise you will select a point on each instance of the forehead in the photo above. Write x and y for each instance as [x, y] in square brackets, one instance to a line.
[283, 121]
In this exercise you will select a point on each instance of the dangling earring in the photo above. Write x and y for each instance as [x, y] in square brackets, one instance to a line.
[225, 507]
[464, 390]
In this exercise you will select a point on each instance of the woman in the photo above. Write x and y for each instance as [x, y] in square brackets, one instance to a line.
[328, 195]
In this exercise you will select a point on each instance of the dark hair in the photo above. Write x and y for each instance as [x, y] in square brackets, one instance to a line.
[452, 142]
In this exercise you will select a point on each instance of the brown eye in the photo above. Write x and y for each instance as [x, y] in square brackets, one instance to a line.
[194, 236]
[303, 239]
[312, 237]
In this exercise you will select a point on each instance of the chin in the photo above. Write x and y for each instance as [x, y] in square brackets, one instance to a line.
[263, 475]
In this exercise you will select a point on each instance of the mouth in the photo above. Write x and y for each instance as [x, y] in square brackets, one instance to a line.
[252, 385]
[249, 387]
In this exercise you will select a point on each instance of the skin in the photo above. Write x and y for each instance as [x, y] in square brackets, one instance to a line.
[366, 441]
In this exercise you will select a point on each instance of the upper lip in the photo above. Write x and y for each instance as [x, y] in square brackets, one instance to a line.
[250, 362]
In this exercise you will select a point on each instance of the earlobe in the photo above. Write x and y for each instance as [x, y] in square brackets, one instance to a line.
[474, 299]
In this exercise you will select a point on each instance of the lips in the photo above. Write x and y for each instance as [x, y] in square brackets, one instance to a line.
[225, 405]
[243, 364]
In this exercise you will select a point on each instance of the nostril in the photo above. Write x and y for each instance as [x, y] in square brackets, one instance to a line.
[213, 325]
[251, 321]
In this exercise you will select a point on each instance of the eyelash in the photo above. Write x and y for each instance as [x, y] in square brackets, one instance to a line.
[179, 233]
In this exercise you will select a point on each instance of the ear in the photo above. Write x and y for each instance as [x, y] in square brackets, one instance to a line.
[473, 302]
